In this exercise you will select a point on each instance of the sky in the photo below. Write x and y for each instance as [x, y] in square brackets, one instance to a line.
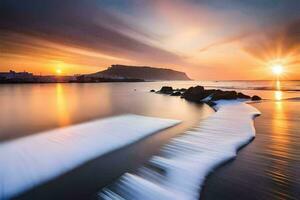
[207, 39]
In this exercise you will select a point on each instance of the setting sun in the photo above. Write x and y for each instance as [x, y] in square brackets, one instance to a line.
[58, 71]
[277, 69]
[165, 93]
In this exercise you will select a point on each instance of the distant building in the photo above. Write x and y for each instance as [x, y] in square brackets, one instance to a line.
[15, 75]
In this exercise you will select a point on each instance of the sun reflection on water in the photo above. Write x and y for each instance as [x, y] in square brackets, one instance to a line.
[278, 95]
[61, 104]
[278, 92]
[278, 85]
[280, 139]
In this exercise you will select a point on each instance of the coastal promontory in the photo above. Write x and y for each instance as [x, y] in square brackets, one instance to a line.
[140, 72]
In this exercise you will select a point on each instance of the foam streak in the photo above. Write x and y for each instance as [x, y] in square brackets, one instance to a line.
[33, 160]
[180, 169]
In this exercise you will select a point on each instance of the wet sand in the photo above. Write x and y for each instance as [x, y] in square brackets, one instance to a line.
[269, 167]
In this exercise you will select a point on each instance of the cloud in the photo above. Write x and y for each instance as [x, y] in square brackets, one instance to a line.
[225, 41]
[171, 33]
[73, 24]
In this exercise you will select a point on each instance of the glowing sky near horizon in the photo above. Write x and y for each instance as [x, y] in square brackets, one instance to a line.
[207, 39]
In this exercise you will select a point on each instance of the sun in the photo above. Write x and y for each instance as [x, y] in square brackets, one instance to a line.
[277, 69]
[58, 71]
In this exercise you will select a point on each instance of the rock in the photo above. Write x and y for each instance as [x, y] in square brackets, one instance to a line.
[195, 94]
[256, 98]
[211, 92]
[152, 90]
[166, 90]
[176, 94]
[224, 95]
[211, 103]
[199, 95]
[180, 89]
[243, 96]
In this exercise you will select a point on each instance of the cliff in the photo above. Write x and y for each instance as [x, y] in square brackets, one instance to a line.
[140, 72]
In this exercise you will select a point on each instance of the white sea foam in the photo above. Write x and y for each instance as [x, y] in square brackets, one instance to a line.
[180, 169]
[33, 160]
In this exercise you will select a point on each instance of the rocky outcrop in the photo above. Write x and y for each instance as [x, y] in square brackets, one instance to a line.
[194, 93]
[226, 95]
[166, 90]
[200, 94]
[243, 96]
[176, 93]
[256, 98]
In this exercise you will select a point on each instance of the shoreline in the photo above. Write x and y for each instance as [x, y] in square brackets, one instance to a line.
[270, 162]
[278, 105]
[65, 149]
[111, 165]
[147, 184]
[85, 181]
[37, 190]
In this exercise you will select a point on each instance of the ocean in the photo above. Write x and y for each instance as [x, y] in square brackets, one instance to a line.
[30, 108]
[267, 168]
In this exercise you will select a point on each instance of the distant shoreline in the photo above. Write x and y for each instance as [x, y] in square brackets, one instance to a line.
[115, 73]
[70, 81]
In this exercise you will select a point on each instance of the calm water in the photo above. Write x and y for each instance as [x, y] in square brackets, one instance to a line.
[31, 108]
[268, 168]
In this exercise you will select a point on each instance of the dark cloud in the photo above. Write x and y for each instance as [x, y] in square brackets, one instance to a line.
[83, 24]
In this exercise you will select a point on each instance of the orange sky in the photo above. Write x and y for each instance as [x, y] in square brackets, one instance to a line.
[208, 40]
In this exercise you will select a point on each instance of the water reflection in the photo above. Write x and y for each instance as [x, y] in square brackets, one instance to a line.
[280, 145]
[278, 92]
[278, 95]
[61, 105]
[278, 85]
[56, 105]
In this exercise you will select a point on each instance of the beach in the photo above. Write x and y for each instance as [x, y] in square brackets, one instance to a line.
[270, 161]
[150, 100]
[269, 167]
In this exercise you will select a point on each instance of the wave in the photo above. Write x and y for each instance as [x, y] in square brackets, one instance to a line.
[181, 167]
[291, 99]
[296, 99]
[30, 161]
[285, 89]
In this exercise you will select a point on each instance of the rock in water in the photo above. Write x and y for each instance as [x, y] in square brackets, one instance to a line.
[199, 95]
[166, 90]
[176, 94]
[195, 94]
[256, 98]
[227, 95]
[243, 96]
